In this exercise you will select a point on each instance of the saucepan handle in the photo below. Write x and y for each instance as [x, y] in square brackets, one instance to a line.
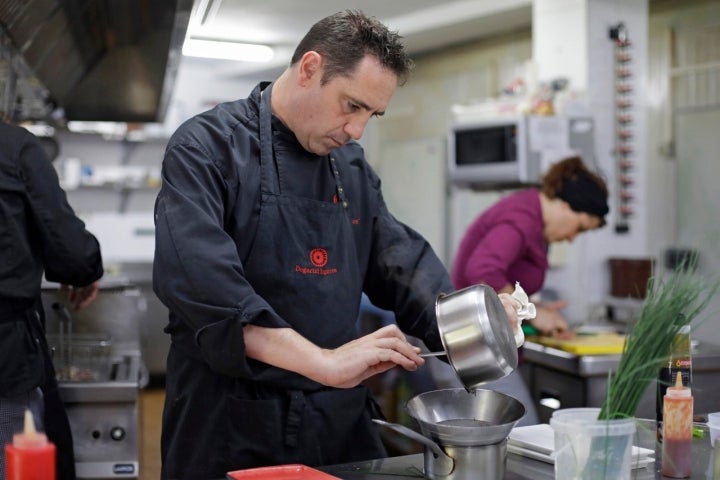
[444, 465]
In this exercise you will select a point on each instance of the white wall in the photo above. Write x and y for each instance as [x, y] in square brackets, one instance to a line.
[683, 108]
[583, 52]
[202, 84]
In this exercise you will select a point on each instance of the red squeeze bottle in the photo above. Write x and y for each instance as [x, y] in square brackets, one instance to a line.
[677, 430]
[30, 456]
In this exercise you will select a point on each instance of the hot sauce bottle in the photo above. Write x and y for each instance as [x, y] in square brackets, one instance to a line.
[677, 430]
[30, 456]
[680, 360]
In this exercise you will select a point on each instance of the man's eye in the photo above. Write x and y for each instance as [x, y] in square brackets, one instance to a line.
[353, 107]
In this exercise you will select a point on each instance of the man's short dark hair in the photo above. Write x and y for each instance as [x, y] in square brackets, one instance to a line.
[345, 38]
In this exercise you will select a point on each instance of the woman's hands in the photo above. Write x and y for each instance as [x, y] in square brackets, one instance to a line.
[549, 321]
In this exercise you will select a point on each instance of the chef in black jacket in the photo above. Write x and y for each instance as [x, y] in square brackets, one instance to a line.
[38, 232]
[269, 226]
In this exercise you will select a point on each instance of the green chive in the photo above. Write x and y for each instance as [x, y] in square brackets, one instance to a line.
[669, 304]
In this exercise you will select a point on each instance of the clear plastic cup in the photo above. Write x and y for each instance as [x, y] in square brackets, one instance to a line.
[714, 427]
[586, 447]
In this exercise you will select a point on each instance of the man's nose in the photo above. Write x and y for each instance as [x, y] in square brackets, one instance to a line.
[355, 127]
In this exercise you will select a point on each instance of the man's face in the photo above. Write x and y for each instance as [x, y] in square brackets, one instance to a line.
[332, 114]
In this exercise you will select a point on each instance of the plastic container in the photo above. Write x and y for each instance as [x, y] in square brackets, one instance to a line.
[281, 472]
[677, 431]
[714, 427]
[586, 447]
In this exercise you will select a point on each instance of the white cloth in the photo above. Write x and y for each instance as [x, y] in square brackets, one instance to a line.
[525, 311]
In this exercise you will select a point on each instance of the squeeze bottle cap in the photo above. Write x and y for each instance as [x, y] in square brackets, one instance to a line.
[678, 390]
[29, 437]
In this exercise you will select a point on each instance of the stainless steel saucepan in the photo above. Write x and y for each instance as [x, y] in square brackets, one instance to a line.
[477, 336]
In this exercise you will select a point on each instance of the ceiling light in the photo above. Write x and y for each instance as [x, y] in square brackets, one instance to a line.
[225, 50]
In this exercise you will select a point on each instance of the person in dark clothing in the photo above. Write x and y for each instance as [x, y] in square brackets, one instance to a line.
[270, 224]
[39, 233]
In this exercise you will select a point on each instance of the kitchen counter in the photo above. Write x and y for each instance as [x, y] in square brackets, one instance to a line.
[705, 357]
[523, 468]
[559, 379]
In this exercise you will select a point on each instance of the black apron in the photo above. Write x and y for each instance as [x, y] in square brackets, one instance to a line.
[303, 262]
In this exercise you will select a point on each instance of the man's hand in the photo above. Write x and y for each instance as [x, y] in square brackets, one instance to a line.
[81, 297]
[375, 353]
[510, 305]
[342, 367]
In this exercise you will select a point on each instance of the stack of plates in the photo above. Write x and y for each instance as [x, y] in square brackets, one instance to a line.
[538, 442]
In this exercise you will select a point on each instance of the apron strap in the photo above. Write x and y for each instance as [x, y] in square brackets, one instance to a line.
[269, 183]
[294, 417]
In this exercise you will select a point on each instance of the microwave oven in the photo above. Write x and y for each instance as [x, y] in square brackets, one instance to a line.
[512, 151]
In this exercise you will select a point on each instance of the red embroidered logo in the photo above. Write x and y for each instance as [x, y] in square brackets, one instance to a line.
[319, 257]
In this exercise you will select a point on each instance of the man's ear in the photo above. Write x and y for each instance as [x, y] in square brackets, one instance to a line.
[310, 68]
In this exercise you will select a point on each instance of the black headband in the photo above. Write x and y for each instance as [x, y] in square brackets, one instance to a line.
[583, 194]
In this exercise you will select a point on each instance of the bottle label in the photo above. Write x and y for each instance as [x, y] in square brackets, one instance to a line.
[682, 363]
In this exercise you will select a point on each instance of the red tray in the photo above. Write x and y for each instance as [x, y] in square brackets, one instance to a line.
[281, 472]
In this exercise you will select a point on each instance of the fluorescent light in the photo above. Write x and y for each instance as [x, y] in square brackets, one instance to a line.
[246, 52]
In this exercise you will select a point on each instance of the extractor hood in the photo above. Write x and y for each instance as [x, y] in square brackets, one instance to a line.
[101, 60]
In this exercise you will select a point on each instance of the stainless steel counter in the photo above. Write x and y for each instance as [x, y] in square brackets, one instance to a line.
[558, 379]
[522, 468]
[706, 357]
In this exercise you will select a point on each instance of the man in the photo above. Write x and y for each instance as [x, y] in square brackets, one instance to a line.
[39, 232]
[269, 226]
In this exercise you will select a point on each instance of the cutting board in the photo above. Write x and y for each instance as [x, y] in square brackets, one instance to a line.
[605, 343]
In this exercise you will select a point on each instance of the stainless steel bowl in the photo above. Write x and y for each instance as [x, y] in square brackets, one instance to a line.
[465, 419]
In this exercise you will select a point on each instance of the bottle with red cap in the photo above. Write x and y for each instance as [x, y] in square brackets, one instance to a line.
[30, 456]
[677, 430]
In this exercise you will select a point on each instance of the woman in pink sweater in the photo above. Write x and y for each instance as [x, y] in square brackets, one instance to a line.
[509, 241]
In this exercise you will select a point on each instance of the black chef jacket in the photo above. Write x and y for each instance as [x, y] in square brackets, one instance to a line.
[38, 232]
[206, 219]
[38, 228]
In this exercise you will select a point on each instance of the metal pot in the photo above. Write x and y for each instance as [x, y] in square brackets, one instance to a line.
[476, 334]
[464, 433]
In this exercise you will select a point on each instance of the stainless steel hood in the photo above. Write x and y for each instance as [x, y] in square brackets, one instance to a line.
[101, 60]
